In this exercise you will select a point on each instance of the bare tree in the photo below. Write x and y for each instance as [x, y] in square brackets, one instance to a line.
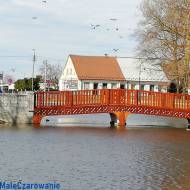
[164, 35]
[51, 72]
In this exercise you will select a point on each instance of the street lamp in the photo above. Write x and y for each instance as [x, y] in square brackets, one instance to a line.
[34, 60]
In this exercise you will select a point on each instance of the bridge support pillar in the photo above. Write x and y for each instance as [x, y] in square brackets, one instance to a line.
[118, 119]
[37, 119]
[113, 119]
[188, 127]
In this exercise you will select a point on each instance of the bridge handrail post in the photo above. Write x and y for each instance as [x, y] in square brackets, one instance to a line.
[111, 96]
[163, 100]
[108, 96]
[39, 99]
[174, 99]
[102, 93]
[71, 98]
[128, 100]
[137, 97]
[121, 95]
[35, 99]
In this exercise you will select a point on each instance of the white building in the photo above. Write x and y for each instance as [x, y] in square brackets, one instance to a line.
[91, 72]
[143, 75]
[6, 85]
[97, 72]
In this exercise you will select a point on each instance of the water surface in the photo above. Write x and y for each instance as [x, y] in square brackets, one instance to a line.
[83, 158]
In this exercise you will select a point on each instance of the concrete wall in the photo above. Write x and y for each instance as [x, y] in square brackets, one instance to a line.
[15, 108]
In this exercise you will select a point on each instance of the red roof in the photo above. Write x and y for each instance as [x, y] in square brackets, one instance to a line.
[97, 68]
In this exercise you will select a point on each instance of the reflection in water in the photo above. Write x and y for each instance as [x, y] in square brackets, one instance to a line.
[104, 120]
[84, 158]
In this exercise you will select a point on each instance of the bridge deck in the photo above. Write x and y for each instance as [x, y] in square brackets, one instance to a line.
[109, 101]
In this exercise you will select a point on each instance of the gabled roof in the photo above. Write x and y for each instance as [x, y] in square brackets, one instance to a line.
[97, 68]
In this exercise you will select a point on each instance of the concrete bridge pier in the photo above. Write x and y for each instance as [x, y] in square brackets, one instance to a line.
[118, 119]
[36, 119]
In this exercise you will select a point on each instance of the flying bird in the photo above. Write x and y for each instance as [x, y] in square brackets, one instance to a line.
[93, 26]
[113, 19]
[117, 29]
[44, 1]
[34, 17]
[115, 50]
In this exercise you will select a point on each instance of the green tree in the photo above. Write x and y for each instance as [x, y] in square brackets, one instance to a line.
[26, 84]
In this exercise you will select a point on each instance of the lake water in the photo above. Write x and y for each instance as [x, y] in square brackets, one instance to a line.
[96, 157]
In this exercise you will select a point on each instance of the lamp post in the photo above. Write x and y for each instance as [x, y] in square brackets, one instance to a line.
[34, 60]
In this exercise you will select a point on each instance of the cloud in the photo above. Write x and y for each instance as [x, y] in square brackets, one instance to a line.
[64, 26]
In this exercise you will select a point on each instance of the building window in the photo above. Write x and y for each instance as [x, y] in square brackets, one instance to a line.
[132, 86]
[104, 85]
[151, 87]
[142, 86]
[113, 85]
[86, 85]
[127, 85]
[122, 86]
[95, 86]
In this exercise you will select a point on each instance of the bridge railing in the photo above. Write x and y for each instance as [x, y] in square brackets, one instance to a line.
[120, 97]
[52, 98]
[71, 98]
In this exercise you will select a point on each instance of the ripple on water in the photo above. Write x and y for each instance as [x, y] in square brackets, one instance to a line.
[97, 158]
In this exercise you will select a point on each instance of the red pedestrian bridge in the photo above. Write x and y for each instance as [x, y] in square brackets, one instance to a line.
[119, 103]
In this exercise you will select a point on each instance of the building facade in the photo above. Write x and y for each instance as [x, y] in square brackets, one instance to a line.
[91, 72]
[6, 84]
[98, 72]
[141, 75]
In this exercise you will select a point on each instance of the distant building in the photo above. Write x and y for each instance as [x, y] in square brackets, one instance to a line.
[48, 85]
[97, 72]
[6, 86]
[3, 87]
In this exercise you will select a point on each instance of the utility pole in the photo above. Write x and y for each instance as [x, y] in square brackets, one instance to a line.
[34, 60]
[140, 70]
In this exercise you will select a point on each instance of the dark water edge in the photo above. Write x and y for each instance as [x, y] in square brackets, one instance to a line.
[97, 157]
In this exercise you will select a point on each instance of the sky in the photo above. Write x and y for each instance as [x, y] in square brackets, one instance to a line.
[57, 28]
